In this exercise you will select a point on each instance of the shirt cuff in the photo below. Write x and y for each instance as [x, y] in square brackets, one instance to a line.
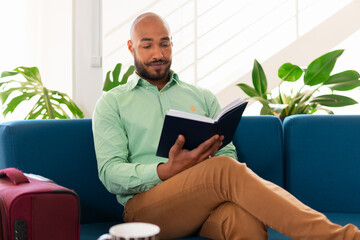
[150, 170]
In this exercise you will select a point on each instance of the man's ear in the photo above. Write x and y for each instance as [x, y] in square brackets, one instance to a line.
[130, 47]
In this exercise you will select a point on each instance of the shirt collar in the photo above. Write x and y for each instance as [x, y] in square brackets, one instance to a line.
[136, 80]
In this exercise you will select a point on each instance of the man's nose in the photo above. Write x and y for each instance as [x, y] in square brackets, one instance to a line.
[157, 53]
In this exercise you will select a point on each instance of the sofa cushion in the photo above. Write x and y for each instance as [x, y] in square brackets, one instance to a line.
[63, 151]
[322, 161]
[275, 235]
[91, 231]
[344, 218]
[339, 218]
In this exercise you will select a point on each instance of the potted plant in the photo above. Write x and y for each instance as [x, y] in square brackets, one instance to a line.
[306, 99]
[50, 104]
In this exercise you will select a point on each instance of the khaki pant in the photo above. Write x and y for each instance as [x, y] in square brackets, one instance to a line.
[221, 198]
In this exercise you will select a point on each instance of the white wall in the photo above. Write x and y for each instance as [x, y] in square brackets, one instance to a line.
[87, 46]
[340, 31]
[64, 37]
[216, 42]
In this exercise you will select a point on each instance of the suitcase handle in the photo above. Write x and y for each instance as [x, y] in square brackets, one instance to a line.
[15, 175]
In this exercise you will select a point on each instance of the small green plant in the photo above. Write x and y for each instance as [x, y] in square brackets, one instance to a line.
[305, 100]
[49, 105]
[110, 84]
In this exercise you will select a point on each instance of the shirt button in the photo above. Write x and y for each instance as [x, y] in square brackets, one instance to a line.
[167, 111]
[147, 88]
[161, 93]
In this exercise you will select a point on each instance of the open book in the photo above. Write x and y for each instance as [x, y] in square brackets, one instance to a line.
[197, 129]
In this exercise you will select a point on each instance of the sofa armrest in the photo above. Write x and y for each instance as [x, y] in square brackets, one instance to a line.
[63, 151]
[259, 144]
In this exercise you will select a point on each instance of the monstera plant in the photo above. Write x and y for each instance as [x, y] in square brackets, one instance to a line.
[49, 104]
[110, 84]
[307, 98]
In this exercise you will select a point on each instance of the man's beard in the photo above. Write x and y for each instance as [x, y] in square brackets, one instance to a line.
[140, 69]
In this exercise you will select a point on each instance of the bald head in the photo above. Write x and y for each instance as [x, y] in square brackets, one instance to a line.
[146, 19]
[151, 47]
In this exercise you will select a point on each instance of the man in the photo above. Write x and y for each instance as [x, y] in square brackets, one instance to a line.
[203, 191]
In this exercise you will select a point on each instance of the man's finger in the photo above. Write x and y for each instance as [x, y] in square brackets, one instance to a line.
[212, 150]
[216, 148]
[207, 144]
[178, 145]
[205, 147]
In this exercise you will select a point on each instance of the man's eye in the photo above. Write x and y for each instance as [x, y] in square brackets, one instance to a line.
[165, 45]
[146, 46]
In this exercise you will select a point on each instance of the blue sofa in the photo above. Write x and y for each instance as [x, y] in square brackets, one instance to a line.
[316, 158]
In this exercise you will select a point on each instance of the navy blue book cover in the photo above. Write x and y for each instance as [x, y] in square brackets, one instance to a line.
[197, 131]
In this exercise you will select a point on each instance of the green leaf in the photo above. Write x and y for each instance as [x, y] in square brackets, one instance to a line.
[36, 111]
[110, 84]
[10, 107]
[34, 115]
[333, 100]
[251, 92]
[319, 70]
[345, 76]
[31, 74]
[33, 71]
[301, 109]
[5, 94]
[289, 72]
[262, 100]
[259, 78]
[344, 81]
[66, 100]
[22, 84]
[128, 73]
[116, 73]
[303, 97]
[60, 113]
[266, 110]
[49, 107]
[50, 103]
[8, 73]
[324, 109]
[345, 86]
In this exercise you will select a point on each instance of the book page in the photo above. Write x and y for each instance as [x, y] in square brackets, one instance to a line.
[187, 115]
[229, 107]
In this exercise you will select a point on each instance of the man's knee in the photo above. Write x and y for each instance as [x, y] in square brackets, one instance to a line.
[225, 163]
[221, 170]
[227, 211]
[229, 221]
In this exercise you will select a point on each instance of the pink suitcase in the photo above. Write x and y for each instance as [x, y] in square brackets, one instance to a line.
[33, 209]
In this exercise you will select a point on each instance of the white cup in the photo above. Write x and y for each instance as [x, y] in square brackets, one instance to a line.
[132, 231]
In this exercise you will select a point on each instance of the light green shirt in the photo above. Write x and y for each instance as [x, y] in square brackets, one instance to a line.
[127, 124]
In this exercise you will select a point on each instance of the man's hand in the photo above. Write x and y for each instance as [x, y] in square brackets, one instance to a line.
[181, 159]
